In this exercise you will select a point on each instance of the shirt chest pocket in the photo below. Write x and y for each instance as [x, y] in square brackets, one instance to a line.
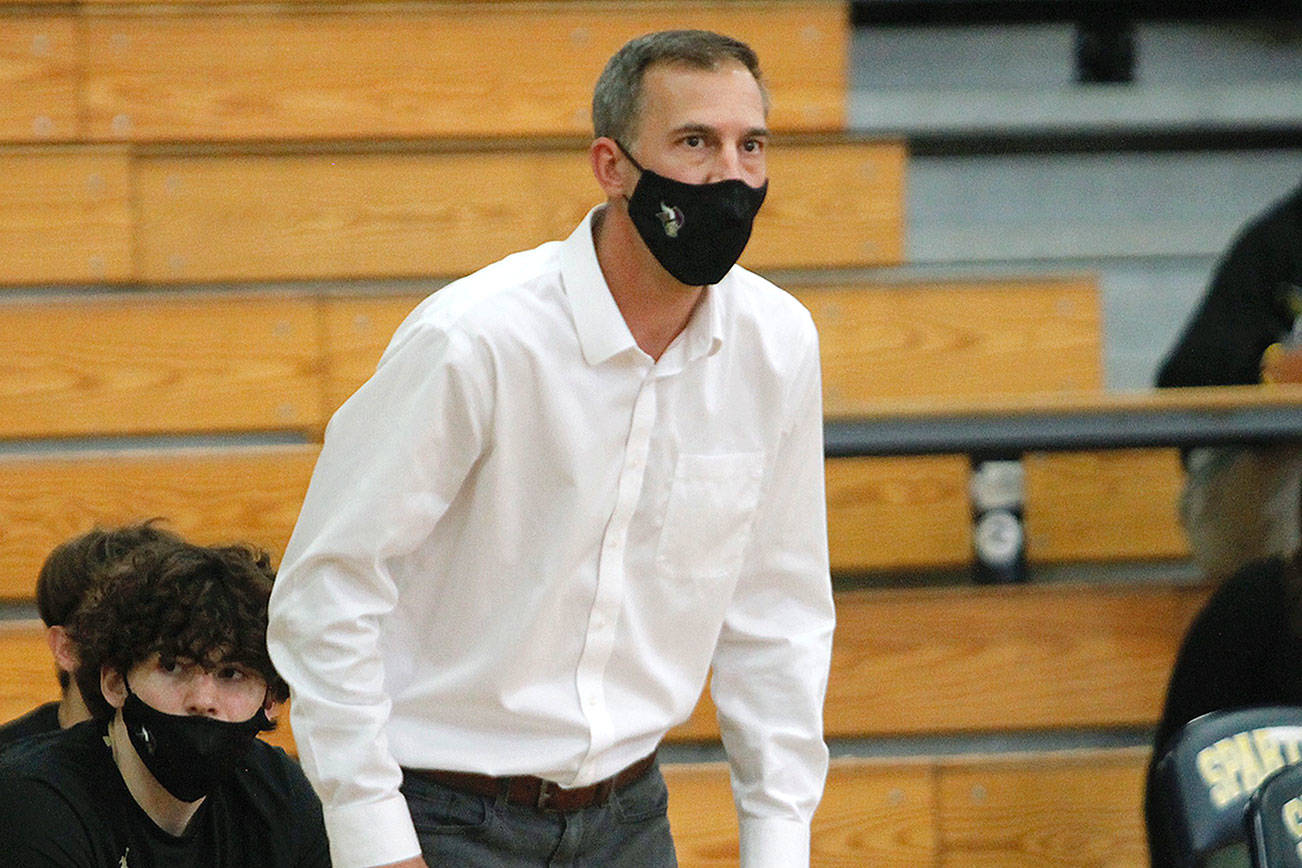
[712, 502]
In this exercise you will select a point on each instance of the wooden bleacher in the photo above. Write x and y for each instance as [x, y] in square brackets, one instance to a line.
[1061, 808]
[152, 147]
[110, 213]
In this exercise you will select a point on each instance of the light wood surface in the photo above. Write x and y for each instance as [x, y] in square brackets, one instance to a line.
[30, 674]
[405, 213]
[1060, 808]
[956, 339]
[356, 331]
[39, 65]
[65, 214]
[432, 69]
[878, 812]
[209, 495]
[143, 363]
[972, 659]
[1080, 809]
[914, 512]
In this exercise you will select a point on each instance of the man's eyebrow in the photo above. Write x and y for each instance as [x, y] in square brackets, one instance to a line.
[706, 129]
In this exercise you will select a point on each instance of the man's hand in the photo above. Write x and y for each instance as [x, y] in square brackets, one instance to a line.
[413, 862]
[1282, 363]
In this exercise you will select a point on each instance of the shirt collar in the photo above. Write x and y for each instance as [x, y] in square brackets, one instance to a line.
[602, 332]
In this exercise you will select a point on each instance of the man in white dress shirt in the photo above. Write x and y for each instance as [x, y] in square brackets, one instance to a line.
[578, 479]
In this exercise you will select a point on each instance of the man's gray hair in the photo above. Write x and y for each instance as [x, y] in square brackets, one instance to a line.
[616, 100]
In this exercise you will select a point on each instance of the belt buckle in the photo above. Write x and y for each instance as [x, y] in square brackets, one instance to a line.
[546, 790]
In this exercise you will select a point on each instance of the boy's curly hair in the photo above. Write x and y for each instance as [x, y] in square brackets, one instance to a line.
[180, 601]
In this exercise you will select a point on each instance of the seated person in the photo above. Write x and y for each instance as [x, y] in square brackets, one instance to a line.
[66, 575]
[1241, 651]
[1240, 503]
[175, 670]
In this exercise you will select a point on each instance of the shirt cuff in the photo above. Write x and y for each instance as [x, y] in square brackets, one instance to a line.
[774, 843]
[375, 833]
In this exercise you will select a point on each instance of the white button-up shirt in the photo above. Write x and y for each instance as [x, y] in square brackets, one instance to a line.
[526, 543]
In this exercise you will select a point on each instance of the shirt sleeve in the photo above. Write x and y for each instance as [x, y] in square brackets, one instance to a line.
[394, 457]
[771, 662]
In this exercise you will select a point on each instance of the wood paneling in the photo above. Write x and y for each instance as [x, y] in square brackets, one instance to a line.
[133, 364]
[970, 659]
[915, 512]
[65, 215]
[352, 215]
[879, 813]
[831, 205]
[1034, 811]
[954, 338]
[402, 213]
[1104, 505]
[356, 332]
[29, 669]
[898, 513]
[249, 494]
[444, 69]
[39, 65]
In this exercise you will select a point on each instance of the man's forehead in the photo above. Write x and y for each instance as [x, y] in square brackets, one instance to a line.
[676, 94]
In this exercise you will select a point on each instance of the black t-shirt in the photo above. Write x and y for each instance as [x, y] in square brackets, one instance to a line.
[41, 719]
[1248, 306]
[1241, 651]
[63, 803]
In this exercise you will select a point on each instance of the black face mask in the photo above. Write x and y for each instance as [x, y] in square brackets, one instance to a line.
[695, 231]
[185, 753]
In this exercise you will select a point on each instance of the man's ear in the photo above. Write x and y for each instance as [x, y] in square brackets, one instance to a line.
[113, 686]
[62, 647]
[611, 168]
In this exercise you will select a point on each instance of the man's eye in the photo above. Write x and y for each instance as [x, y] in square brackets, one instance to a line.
[230, 673]
[753, 146]
[693, 141]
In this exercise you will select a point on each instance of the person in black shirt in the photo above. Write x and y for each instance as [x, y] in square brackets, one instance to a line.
[68, 572]
[1240, 503]
[1241, 651]
[169, 772]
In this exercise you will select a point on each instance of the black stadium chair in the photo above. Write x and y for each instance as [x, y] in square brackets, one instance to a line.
[1275, 820]
[1199, 791]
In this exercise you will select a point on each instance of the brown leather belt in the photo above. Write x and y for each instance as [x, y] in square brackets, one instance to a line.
[537, 793]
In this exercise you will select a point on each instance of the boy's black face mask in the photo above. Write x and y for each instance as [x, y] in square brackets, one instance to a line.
[695, 231]
[188, 754]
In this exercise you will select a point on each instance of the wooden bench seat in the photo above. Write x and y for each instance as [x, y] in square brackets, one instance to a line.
[283, 360]
[1062, 808]
[958, 660]
[152, 363]
[249, 494]
[39, 66]
[65, 214]
[165, 216]
[185, 71]
[430, 69]
[969, 659]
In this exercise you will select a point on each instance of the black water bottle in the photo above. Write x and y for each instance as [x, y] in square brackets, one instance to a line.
[997, 490]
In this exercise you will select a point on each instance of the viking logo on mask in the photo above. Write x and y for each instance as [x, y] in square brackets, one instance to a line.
[671, 219]
[699, 250]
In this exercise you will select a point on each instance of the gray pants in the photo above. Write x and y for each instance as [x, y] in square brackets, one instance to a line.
[1240, 504]
[461, 830]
